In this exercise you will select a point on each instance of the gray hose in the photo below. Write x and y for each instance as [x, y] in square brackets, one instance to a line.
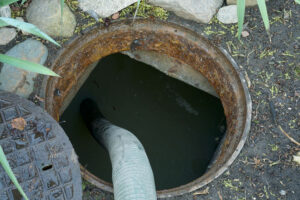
[131, 171]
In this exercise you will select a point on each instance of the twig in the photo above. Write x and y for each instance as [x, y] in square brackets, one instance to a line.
[220, 196]
[205, 191]
[287, 135]
[273, 114]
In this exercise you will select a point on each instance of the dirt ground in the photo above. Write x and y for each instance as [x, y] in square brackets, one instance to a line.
[265, 168]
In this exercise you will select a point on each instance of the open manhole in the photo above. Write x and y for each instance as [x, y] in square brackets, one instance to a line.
[192, 57]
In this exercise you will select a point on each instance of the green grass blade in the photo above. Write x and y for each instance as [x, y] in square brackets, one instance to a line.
[137, 9]
[62, 3]
[30, 28]
[264, 13]
[241, 14]
[297, 1]
[10, 173]
[26, 65]
[6, 2]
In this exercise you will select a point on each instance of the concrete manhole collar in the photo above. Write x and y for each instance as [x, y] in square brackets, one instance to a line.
[171, 40]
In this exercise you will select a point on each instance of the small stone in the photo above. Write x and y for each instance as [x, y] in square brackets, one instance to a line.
[16, 80]
[46, 15]
[5, 11]
[22, 20]
[7, 35]
[247, 2]
[104, 8]
[199, 11]
[245, 34]
[228, 14]
[286, 15]
[282, 192]
[296, 158]
[115, 16]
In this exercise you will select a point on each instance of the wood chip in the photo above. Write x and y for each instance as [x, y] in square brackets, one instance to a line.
[18, 123]
[205, 191]
[39, 98]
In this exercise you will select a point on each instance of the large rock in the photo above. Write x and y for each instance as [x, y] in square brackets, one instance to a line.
[19, 81]
[104, 8]
[248, 2]
[5, 11]
[7, 35]
[197, 10]
[46, 14]
[228, 14]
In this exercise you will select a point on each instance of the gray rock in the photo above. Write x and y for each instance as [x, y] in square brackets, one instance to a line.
[46, 14]
[19, 81]
[174, 68]
[282, 192]
[5, 11]
[197, 10]
[228, 14]
[7, 35]
[104, 8]
[248, 2]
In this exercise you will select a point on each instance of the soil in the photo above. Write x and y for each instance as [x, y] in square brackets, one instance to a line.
[265, 168]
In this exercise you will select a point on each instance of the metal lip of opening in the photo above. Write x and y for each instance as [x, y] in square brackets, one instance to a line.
[172, 40]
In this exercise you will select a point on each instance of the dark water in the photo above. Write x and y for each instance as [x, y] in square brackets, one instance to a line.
[178, 125]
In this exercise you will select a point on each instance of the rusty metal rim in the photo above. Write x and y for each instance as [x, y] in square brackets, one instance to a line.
[172, 40]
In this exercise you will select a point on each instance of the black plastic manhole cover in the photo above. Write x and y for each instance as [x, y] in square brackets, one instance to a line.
[40, 155]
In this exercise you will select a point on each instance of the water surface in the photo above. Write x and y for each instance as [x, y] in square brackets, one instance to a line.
[178, 125]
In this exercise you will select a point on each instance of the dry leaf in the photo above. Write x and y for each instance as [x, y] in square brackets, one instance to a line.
[18, 123]
[205, 191]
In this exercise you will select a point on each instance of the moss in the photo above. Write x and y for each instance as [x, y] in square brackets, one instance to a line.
[145, 10]
[265, 53]
[73, 4]
[297, 72]
[228, 184]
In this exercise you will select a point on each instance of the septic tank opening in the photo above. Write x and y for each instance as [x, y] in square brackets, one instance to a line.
[183, 45]
[179, 125]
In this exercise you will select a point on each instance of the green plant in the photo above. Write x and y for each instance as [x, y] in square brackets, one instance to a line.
[26, 65]
[263, 11]
[10, 173]
[241, 15]
[137, 8]
[30, 28]
[144, 10]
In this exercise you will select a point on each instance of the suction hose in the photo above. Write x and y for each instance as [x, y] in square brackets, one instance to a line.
[132, 175]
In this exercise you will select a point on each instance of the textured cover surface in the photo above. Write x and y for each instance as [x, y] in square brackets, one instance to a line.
[41, 155]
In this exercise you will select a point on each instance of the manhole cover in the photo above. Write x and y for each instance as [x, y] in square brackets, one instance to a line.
[38, 151]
